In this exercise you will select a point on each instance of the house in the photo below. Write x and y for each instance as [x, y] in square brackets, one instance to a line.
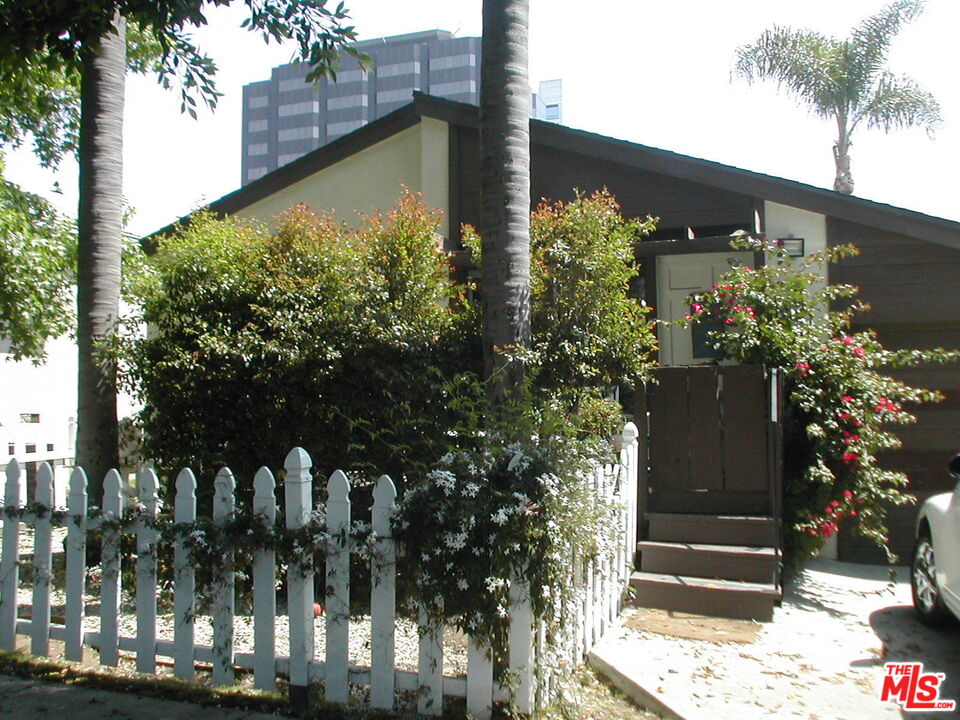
[908, 269]
[38, 413]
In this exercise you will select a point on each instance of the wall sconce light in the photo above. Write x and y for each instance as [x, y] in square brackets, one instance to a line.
[792, 246]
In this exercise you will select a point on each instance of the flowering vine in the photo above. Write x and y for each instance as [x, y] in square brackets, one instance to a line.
[840, 404]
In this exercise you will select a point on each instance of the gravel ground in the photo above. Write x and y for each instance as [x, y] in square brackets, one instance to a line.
[406, 638]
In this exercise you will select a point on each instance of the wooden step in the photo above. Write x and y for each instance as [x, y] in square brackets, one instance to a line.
[751, 531]
[715, 598]
[725, 562]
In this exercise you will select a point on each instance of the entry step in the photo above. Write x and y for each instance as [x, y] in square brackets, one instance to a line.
[743, 530]
[702, 596]
[726, 562]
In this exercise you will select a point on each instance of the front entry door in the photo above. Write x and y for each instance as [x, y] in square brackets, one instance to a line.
[678, 277]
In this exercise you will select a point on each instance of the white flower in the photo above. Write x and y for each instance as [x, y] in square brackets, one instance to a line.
[462, 584]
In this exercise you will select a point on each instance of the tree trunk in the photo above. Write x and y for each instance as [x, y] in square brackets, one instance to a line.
[504, 195]
[843, 182]
[98, 256]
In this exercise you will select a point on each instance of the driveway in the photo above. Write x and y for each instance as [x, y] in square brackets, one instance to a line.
[821, 658]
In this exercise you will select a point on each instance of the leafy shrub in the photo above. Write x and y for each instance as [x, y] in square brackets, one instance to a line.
[587, 330]
[312, 335]
[841, 404]
[354, 344]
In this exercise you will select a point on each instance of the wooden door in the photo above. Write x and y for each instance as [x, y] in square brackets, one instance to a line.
[713, 443]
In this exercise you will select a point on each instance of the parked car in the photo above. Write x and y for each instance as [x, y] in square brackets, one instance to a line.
[935, 571]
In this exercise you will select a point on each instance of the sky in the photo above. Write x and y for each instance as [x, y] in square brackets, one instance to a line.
[649, 71]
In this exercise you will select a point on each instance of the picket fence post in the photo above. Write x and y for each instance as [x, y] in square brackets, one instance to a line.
[184, 604]
[430, 664]
[9, 569]
[298, 490]
[224, 487]
[110, 570]
[479, 681]
[520, 641]
[146, 593]
[42, 528]
[264, 587]
[383, 596]
[336, 684]
[76, 553]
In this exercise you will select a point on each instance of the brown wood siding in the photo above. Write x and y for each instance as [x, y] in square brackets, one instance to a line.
[555, 173]
[912, 287]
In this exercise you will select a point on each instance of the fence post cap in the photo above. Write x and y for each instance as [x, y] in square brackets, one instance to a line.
[148, 483]
[112, 482]
[78, 481]
[186, 482]
[263, 482]
[13, 470]
[224, 482]
[385, 491]
[630, 433]
[338, 486]
[297, 461]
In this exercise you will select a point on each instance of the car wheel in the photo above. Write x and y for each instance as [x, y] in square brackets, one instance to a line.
[923, 582]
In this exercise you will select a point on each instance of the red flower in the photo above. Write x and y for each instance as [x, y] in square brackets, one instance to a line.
[728, 321]
[846, 398]
[850, 457]
[802, 368]
[847, 495]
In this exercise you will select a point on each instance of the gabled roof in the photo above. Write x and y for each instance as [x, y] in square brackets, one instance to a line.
[671, 164]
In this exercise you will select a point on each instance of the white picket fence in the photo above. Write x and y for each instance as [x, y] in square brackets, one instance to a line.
[601, 592]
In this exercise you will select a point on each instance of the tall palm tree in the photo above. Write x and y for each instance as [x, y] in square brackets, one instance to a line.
[505, 194]
[99, 229]
[89, 38]
[844, 79]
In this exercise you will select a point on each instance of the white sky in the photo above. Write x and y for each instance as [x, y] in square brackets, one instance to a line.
[650, 71]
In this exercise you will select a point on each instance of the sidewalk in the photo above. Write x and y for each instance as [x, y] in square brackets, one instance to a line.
[31, 699]
[820, 659]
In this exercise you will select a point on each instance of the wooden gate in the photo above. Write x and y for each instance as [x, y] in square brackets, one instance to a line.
[713, 440]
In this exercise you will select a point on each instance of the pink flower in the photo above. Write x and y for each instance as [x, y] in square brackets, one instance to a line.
[846, 398]
[802, 368]
[728, 321]
[858, 351]
[697, 308]
[847, 495]
[847, 340]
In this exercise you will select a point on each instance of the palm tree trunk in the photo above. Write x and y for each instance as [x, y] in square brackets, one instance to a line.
[504, 194]
[843, 182]
[99, 246]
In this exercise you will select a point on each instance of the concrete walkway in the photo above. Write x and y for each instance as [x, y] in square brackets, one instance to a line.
[820, 659]
[30, 699]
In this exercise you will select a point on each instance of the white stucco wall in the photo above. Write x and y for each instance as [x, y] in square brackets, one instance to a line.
[48, 390]
[372, 179]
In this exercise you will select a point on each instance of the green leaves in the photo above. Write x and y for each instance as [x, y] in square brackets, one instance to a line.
[48, 38]
[37, 261]
[842, 404]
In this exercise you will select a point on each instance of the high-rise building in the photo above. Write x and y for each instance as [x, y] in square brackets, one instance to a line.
[286, 117]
